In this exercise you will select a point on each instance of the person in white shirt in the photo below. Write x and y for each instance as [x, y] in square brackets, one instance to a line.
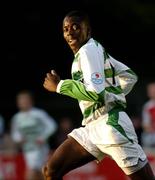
[100, 84]
[31, 128]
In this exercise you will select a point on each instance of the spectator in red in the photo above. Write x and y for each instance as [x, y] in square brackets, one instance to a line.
[148, 117]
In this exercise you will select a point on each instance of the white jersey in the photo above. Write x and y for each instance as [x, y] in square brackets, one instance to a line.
[30, 126]
[100, 82]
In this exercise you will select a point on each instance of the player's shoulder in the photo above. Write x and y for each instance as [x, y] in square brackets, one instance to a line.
[92, 43]
[91, 46]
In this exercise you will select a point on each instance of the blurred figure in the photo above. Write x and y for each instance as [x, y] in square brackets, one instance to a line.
[7, 146]
[30, 129]
[1, 129]
[148, 117]
[65, 127]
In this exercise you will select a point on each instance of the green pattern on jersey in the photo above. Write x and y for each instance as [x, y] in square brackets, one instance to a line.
[108, 73]
[91, 109]
[113, 121]
[114, 90]
[77, 75]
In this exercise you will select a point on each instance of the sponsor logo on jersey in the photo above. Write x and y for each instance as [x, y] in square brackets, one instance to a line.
[97, 78]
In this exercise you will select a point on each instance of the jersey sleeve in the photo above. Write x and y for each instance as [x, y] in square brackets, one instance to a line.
[127, 77]
[92, 86]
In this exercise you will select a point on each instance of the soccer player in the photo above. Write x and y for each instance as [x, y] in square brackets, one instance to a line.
[100, 84]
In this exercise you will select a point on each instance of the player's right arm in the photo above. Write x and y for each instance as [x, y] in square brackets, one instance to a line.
[69, 87]
[93, 85]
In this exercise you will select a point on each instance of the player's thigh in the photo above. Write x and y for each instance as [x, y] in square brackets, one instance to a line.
[69, 155]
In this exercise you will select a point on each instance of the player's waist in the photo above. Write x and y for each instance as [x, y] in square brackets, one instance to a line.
[100, 113]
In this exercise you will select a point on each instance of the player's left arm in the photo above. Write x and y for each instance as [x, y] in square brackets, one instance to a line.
[127, 77]
[127, 80]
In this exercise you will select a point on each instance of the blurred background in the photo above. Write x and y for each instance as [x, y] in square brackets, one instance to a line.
[33, 44]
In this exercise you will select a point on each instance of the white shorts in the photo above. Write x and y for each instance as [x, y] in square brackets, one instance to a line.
[100, 139]
[35, 159]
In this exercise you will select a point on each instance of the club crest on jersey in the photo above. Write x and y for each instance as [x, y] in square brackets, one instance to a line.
[96, 78]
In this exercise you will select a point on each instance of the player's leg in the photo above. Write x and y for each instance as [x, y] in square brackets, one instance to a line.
[68, 156]
[144, 173]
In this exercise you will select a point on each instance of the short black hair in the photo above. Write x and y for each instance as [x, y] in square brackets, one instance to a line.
[80, 15]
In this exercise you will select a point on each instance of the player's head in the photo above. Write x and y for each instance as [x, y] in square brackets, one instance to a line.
[76, 29]
[151, 90]
[24, 100]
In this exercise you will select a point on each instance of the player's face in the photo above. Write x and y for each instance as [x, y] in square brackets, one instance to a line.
[24, 102]
[151, 90]
[75, 33]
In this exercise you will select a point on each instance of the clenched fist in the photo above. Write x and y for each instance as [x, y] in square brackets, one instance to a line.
[51, 81]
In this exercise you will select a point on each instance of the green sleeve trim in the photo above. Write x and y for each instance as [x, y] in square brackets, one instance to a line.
[77, 90]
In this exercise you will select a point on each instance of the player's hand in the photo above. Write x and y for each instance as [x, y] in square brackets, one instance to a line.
[51, 81]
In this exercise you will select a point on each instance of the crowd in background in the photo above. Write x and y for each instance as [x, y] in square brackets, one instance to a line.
[35, 133]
